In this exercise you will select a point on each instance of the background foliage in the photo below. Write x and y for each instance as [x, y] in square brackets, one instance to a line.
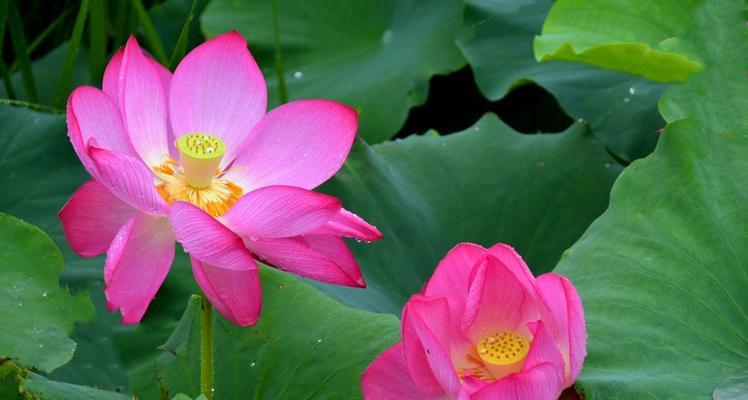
[662, 273]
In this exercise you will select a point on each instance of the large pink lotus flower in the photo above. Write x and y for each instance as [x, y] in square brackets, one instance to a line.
[484, 328]
[194, 157]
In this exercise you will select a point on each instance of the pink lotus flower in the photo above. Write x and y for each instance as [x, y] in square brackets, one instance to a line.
[484, 328]
[194, 157]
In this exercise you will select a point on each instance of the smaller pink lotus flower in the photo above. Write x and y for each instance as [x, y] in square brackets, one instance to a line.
[484, 328]
[193, 157]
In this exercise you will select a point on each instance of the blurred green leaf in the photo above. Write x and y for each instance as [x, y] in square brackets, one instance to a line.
[180, 48]
[641, 37]
[97, 38]
[66, 76]
[175, 27]
[47, 69]
[662, 273]
[3, 68]
[370, 54]
[20, 50]
[485, 185]
[37, 385]
[149, 31]
[305, 345]
[42, 313]
[497, 42]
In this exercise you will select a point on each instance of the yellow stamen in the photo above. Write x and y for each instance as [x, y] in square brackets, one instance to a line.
[215, 199]
[200, 154]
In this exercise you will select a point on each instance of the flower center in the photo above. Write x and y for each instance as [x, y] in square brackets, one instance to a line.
[200, 155]
[496, 356]
[503, 348]
[197, 177]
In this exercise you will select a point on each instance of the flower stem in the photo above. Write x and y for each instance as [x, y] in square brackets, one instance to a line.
[206, 348]
[279, 73]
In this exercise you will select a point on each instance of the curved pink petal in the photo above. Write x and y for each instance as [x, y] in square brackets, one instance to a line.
[218, 89]
[280, 211]
[137, 263]
[533, 384]
[388, 378]
[541, 378]
[318, 257]
[207, 239]
[110, 81]
[237, 295]
[127, 178]
[92, 217]
[348, 224]
[451, 279]
[564, 303]
[91, 114]
[425, 326]
[142, 99]
[301, 143]
[512, 260]
[497, 300]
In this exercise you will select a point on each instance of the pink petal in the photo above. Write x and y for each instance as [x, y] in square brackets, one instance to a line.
[425, 325]
[533, 384]
[136, 265]
[207, 240]
[218, 89]
[451, 278]
[301, 143]
[387, 378]
[318, 257]
[542, 376]
[237, 295]
[92, 217]
[110, 82]
[564, 303]
[110, 86]
[512, 260]
[280, 211]
[348, 224]
[127, 178]
[143, 102]
[497, 300]
[91, 114]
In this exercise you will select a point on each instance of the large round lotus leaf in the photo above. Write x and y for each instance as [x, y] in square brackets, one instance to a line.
[376, 55]
[663, 274]
[485, 185]
[37, 314]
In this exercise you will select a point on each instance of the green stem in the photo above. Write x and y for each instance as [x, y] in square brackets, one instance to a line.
[206, 348]
[282, 95]
[20, 49]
